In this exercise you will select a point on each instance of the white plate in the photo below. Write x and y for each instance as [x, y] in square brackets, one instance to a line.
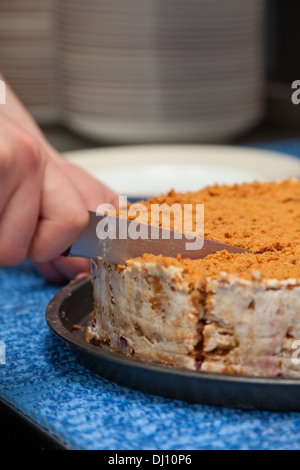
[185, 110]
[148, 128]
[142, 171]
[169, 10]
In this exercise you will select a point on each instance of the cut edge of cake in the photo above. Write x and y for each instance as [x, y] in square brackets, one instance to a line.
[225, 325]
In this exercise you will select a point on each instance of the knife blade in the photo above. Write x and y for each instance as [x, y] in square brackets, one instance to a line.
[124, 239]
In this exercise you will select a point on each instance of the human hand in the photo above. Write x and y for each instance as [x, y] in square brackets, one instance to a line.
[41, 209]
[93, 193]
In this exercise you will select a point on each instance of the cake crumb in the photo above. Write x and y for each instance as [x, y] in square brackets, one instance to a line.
[77, 327]
[256, 275]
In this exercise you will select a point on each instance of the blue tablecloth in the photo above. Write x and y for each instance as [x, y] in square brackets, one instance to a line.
[42, 380]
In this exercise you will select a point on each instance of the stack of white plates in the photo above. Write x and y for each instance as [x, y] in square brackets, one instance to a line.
[161, 70]
[28, 53]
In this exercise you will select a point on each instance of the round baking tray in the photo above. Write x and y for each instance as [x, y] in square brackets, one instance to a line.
[73, 306]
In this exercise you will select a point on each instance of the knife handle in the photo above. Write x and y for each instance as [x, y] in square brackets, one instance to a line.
[67, 252]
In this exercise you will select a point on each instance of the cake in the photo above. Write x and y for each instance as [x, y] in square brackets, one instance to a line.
[226, 313]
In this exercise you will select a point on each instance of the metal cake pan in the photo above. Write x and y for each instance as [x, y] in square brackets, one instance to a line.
[73, 305]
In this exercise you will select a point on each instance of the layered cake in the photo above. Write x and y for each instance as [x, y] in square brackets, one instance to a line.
[226, 313]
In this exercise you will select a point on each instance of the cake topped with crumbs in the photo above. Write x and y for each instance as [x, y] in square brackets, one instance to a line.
[227, 313]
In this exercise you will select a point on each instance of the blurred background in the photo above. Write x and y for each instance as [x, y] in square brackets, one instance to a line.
[104, 72]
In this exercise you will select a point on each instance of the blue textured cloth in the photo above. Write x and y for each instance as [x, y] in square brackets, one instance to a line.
[42, 380]
[290, 146]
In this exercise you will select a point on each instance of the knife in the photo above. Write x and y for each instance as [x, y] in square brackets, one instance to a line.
[123, 239]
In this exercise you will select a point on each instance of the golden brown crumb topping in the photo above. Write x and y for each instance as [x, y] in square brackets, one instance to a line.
[263, 218]
[271, 265]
